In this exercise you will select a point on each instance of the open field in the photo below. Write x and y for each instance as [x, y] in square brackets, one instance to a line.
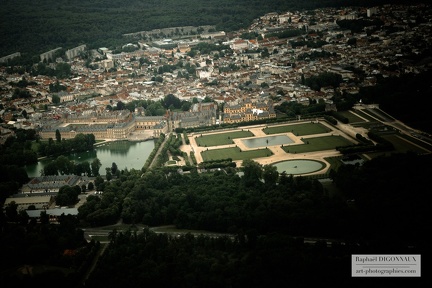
[318, 144]
[402, 145]
[367, 125]
[298, 129]
[234, 153]
[364, 115]
[335, 162]
[380, 114]
[352, 118]
[425, 145]
[221, 138]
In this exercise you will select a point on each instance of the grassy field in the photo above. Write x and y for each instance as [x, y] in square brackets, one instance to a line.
[367, 125]
[235, 154]
[221, 138]
[35, 146]
[352, 118]
[100, 238]
[298, 129]
[364, 115]
[376, 114]
[402, 146]
[417, 142]
[318, 144]
[381, 114]
[335, 162]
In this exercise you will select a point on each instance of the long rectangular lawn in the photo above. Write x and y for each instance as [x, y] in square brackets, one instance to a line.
[318, 144]
[234, 153]
[298, 129]
[208, 140]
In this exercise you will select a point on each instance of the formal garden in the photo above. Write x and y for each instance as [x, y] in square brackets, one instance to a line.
[311, 144]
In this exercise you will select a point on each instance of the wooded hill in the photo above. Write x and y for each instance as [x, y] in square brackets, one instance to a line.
[46, 24]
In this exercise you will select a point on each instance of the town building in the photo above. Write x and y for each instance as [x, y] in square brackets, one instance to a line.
[23, 203]
[52, 183]
[48, 56]
[246, 110]
[53, 214]
[10, 57]
[74, 52]
[107, 125]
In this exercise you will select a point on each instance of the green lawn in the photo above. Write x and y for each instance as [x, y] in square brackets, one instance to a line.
[367, 125]
[35, 146]
[352, 118]
[209, 140]
[318, 144]
[298, 129]
[364, 115]
[402, 145]
[235, 154]
[100, 238]
[417, 142]
[376, 114]
[335, 162]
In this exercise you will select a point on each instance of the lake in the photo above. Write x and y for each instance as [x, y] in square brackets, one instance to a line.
[126, 154]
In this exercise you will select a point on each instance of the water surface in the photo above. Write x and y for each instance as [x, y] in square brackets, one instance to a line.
[126, 155]
[301, 166]
[257, 142]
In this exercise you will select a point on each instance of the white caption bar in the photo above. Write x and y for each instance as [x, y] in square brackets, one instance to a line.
[386, 265]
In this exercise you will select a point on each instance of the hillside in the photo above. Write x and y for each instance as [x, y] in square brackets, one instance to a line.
[47, 24]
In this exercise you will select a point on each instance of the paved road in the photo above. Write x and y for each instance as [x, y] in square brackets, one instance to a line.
[102, 232]
[159, 151]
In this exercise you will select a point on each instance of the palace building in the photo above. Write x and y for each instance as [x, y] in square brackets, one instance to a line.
[246, 110]
[108, 125]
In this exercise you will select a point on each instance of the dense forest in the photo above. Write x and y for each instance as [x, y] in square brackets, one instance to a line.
[380, 207]
[48, 24]
[274, 260]
[262, 202]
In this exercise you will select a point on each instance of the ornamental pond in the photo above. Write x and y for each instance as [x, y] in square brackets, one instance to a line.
[257, 142]
[300, 166]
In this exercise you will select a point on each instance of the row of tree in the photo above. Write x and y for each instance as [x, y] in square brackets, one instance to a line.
[244, 260]
[81, 142]
[63, 166]
[15, 153]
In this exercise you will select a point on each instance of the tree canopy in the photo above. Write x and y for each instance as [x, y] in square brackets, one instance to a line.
[101, 23]
[263, 221]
